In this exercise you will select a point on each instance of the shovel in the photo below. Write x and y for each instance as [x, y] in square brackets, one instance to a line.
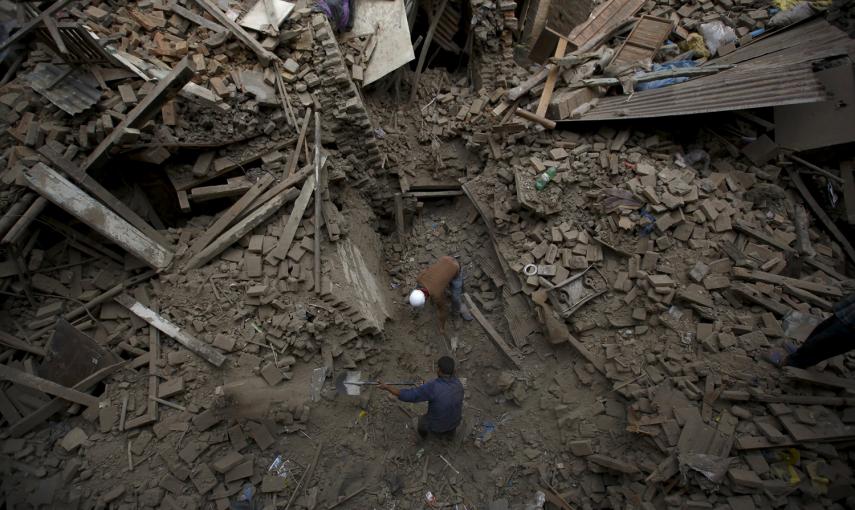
[351, 383]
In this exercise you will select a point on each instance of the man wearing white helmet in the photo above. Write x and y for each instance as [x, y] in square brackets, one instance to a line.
[433, 283]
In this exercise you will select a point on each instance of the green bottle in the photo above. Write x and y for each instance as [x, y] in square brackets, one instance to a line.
[543, 179]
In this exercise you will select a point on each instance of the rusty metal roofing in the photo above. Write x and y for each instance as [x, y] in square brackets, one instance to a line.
[72, 90]
[771, 71]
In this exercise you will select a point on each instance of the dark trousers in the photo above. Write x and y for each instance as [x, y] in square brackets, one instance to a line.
[424, 430]
[830, 338]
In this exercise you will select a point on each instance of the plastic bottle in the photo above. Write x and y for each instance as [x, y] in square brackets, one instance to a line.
[543, 179]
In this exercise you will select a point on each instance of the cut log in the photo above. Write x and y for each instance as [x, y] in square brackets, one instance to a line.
[193, 344]
[73, 200]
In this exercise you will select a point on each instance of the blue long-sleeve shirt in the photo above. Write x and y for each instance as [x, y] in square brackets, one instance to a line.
[444, 396]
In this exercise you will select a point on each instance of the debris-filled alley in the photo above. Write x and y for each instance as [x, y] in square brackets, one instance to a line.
[227, 231]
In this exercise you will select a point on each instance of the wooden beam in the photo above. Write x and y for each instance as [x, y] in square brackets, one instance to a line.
[823, 217]
[8, 409]
[549, 86]
[51, 388]
[195, 18]
[530, 83]
[33, 23]
[301, 139]
[264, 56]
[41, 414]
[153, 357]
[819, 379]
[293, 223]
[424, 49]
[318, 184]
[491, 332]
[24, 221]
[241, 229]
[761, 276]
[144, 111]
[281, 186]
[50, 24]
[231, 214]
[73, 200]
[847, 171]
[548, 124]
[235, 188]
[101, 193]
[193, 344]
[16, 343]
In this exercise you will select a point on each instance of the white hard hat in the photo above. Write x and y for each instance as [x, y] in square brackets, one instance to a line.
[417, 298]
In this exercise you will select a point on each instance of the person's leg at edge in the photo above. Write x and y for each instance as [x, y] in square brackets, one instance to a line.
[830, 338]
[457, 296]
[422, 428]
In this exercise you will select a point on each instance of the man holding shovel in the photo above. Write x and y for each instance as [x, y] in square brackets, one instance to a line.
[444, 396]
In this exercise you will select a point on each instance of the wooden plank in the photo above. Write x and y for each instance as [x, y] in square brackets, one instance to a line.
[52, 29]
[101, 193]
[605, 18]
[762, 276]
[805, 434]
[399, 216]
[807, 400]
[46, 386]
[76, 202]
[8, 409]
[293, 223]
[33, 23]
[232, 189]
[551, 79]
[424, 49]
[195, 18]
[318, 184]
[144, 111]
[25, 220]
[41, 414]
[193, 344]
[264, 56]
[548, 124]
[753, 295]
[231, 213]
[847, 171]
[301, 140]
[820, 213]
[241, 229]
[648, 34]
[819, 379]
[153, 372]
[281, 186]
[745, 228]
[16, 343]
[491, 332]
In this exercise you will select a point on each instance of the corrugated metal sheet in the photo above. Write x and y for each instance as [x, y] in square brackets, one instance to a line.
[772, 71]
[72, 93]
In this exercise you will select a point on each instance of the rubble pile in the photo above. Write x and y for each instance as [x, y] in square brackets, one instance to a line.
[207, 221]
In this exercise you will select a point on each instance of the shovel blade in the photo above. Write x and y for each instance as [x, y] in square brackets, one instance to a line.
[346, 385]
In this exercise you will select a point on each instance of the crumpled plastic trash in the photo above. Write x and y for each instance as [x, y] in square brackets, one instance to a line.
[713, 467]
[717, 34]
[792, 14]
[337, 11]
[656, 84]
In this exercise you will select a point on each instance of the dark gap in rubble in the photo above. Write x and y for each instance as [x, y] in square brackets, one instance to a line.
[450, 44]
[151, 180]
